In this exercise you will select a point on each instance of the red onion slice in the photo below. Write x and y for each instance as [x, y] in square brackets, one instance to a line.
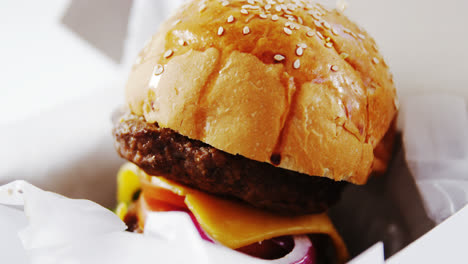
[302, 253]
[200, 230]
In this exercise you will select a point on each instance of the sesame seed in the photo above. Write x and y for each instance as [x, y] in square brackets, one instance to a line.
[310, 33]
[302, 45]
[267, 7]
[320, 35]
[328, 45]
[297, 64]
[396, 103]
[278, 57]
[291, 6]
[220, 31]
[168, 53]
[245, 12]
[299, 51]
[287, 24]
[334, 68]
[287, 11]
[325, 24]
[176, 22]
[274, 17]
[251, 2]
[317, 24]
[202, 8]
[181, 42]
[264, 16]
[250, 7]
[334, 32]
[361, 36]
[287, 31]
[328, 39]
[375, 60]
[230, 19]
[225, 3]
[300, 20]
[246, 30]
[375, 47]
[158, 70]
[344, 55]
[278, 8]
[314, 15]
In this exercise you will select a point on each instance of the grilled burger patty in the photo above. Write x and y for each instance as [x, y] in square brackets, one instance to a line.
[164, 152]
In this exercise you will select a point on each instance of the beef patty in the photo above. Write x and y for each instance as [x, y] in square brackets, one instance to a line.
[164, 152]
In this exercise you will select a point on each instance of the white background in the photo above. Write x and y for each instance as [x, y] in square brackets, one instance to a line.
[42, 63]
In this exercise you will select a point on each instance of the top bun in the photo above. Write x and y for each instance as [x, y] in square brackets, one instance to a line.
[285, 82]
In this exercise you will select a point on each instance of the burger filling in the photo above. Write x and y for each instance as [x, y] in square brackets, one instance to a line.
[297, 239]
[162, 151]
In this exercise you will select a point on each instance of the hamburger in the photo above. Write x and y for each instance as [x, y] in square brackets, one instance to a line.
[252, 116]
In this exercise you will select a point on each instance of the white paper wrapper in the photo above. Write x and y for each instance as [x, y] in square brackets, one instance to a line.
[11, 221]
[62, 230]
[435, 134]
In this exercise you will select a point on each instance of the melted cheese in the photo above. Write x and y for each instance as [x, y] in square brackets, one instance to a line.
[236, 225]
[128, 182]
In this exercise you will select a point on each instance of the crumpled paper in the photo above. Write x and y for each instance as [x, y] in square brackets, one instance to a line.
[435, 136]
[62, 230]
